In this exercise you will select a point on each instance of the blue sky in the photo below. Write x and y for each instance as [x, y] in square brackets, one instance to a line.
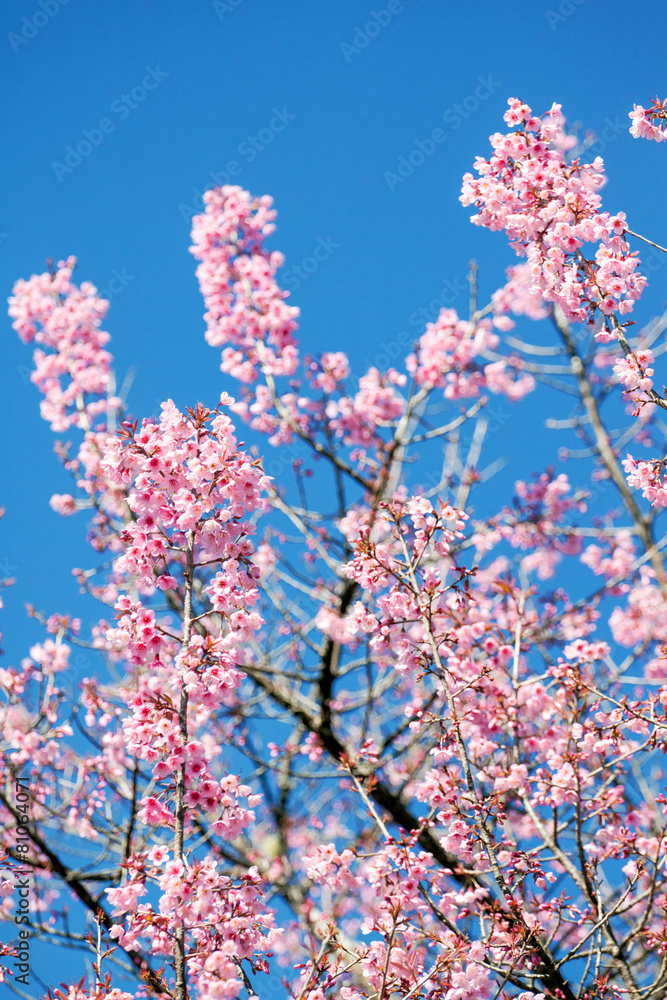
[317, 104]
[310, 107]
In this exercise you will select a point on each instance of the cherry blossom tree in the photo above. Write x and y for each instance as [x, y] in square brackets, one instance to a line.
[352, 732]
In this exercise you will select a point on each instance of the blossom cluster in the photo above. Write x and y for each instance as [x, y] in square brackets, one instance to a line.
[73, 371]
[71, 364]
[649, 477]
[447, 358]
[190, 490]
[247, 315]
[455, 757]
[184, 474]
[519, 296]
[550, 209]
[536, 523]
[226, 920]
[407, 563]
[634, 370]
[649, 123]
[245, 307]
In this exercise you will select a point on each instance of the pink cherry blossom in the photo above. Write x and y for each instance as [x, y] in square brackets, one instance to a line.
[358, 719]
[649, 123]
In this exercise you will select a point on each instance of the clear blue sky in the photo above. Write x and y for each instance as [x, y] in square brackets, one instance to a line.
[310, 114]
[220, 72]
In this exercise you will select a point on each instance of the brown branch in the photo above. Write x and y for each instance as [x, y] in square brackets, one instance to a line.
[77, 886]
[181, 991]
[606, 452]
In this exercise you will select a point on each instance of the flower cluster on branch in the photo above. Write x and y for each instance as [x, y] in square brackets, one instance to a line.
[349, 730]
